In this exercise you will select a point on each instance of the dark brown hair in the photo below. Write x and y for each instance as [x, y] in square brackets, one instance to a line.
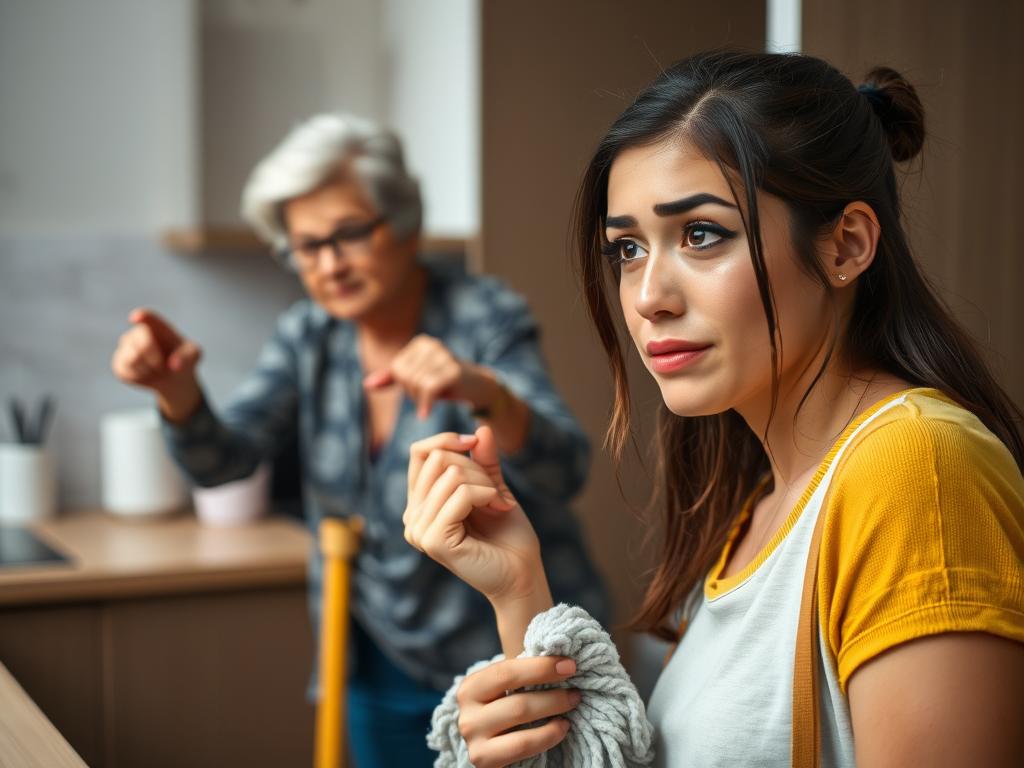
[795, 127]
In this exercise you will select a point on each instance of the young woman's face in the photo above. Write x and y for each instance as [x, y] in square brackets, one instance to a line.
[372, 266]
[687, 285]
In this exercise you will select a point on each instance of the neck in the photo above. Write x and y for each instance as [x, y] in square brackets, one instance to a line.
[393, 322]
[797, 437]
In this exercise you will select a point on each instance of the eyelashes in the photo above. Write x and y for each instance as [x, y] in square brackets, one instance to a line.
[695, 236]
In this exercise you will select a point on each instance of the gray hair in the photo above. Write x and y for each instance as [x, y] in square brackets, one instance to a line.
[311, 153]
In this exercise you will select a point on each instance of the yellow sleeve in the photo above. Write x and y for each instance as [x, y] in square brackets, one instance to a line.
[924, 535]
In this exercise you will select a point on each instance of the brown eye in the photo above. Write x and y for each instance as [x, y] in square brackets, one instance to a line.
[630, 251]
[697, 238]
[623, 251]
[702, 236]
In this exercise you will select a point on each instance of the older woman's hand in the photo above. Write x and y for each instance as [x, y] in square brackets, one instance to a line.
[488, 711]
[154, 355]
[429, 372]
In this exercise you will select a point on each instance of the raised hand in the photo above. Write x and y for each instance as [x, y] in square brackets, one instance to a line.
[461, 513]
[427, 370]
[154, 355]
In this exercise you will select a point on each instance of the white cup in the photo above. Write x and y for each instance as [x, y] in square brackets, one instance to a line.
[236, 503]
[28, 483]
[139, 477]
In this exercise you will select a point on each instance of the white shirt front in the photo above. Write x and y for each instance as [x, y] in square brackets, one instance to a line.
[726, 696]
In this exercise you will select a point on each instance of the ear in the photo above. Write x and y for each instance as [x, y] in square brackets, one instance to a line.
[849, 248]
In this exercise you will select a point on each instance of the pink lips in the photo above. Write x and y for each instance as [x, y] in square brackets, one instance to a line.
[669, 355]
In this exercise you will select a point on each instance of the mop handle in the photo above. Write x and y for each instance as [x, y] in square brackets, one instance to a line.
[339, 543]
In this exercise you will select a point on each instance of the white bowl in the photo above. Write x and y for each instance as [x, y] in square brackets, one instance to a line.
[239, 502]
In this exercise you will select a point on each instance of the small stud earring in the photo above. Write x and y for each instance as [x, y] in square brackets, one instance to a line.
[840, 276]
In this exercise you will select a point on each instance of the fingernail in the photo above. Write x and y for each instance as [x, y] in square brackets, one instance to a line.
[565, 667]
[467, 438]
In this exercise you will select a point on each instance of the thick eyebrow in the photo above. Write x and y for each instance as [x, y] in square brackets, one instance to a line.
[687, 203]
[669, 209]
[619, 222]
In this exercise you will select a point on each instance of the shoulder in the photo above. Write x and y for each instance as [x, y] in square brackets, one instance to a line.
[924, 534]
[925, 452]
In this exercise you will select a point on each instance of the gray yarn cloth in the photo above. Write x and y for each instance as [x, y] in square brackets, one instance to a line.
[607, 729]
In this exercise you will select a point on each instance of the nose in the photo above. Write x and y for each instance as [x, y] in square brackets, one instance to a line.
[660, 295]
[335, 257]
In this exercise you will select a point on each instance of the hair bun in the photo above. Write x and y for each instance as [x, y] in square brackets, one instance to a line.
[895, 102]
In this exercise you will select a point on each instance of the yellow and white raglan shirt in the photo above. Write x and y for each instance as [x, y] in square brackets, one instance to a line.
[924, 534]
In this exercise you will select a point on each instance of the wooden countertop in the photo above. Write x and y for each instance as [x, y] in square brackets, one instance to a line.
[112, 557]
[27, 738]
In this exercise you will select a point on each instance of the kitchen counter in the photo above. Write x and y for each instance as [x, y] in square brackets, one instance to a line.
[27, 738]
[112, 557]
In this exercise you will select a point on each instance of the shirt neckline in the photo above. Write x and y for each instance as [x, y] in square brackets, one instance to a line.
[716, 585]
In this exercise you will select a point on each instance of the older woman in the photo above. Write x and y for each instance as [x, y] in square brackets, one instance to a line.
[386, 350]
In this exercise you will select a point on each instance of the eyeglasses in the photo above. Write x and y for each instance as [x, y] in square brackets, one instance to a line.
[349, 238]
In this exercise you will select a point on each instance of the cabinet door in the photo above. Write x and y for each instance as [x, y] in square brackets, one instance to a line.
[55, 654]
[210, 680]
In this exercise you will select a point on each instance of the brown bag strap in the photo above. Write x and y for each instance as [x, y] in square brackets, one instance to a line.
[806, 736]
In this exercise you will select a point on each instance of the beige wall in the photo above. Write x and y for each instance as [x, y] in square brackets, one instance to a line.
[554, 77]
[964, 202]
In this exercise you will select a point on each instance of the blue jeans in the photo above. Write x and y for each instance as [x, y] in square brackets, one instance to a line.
[388, 712]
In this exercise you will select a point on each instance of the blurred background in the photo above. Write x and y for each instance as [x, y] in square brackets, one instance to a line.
[127, 129]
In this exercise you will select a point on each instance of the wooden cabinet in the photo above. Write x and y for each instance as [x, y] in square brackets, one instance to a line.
[180, 671]
[55, 654]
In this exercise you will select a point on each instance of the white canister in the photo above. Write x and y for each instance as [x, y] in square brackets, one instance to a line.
[139, 477]
[28, 483]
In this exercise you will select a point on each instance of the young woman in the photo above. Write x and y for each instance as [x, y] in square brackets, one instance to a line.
[385, 350]
[745, 208]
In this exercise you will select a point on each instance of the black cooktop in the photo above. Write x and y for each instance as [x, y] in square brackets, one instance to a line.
[20, 547]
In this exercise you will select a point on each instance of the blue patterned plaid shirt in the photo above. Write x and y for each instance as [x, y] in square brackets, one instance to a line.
[308, 382]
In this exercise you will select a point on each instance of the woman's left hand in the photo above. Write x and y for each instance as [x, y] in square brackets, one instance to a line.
[429, 372]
